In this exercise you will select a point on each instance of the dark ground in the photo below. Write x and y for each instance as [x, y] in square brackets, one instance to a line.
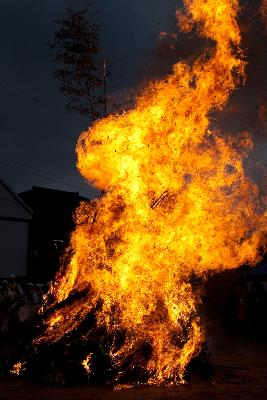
[240, 372]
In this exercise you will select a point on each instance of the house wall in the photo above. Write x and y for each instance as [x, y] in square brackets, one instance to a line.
[13, 248]
[10, 206]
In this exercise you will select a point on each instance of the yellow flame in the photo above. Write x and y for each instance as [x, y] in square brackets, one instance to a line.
[177, 202]
[86, 363]
[17, 368]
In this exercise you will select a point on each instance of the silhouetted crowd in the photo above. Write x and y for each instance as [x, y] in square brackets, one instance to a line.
[61, 362]
[19, 302]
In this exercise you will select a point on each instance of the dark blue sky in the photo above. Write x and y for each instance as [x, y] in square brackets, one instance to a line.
[37, 136]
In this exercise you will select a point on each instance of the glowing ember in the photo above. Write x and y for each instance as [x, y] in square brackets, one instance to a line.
[86, 363]
[17, 368]
[123, 387]
[177, 202]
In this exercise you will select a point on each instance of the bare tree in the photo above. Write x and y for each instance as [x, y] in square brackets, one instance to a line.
[80, 74]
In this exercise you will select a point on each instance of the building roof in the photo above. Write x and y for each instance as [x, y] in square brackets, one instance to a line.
[12, 207]
[52, 211]
[52, 193]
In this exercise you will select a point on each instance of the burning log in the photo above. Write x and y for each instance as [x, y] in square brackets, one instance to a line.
[160, 199]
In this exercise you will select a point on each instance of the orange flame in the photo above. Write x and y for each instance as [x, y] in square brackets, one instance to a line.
[17, 368]
[86, 363]
[177, 201]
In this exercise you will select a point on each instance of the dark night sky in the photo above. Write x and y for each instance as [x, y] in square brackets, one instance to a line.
[37, 136]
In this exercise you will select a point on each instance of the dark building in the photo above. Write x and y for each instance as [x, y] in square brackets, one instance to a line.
[50, 228]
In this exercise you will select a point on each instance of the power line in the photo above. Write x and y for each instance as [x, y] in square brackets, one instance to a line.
[24, 165]
[41, 173]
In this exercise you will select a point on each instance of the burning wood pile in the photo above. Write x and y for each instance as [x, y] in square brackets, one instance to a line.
[177, 202]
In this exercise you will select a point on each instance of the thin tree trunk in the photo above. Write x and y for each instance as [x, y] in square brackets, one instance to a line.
[90, 101]
[105, 87]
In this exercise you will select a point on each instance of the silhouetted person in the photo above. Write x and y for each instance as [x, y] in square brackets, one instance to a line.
[257, 302]
[16, 291]
[241, 307]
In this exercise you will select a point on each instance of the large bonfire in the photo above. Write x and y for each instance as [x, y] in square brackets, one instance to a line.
[176, 202]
